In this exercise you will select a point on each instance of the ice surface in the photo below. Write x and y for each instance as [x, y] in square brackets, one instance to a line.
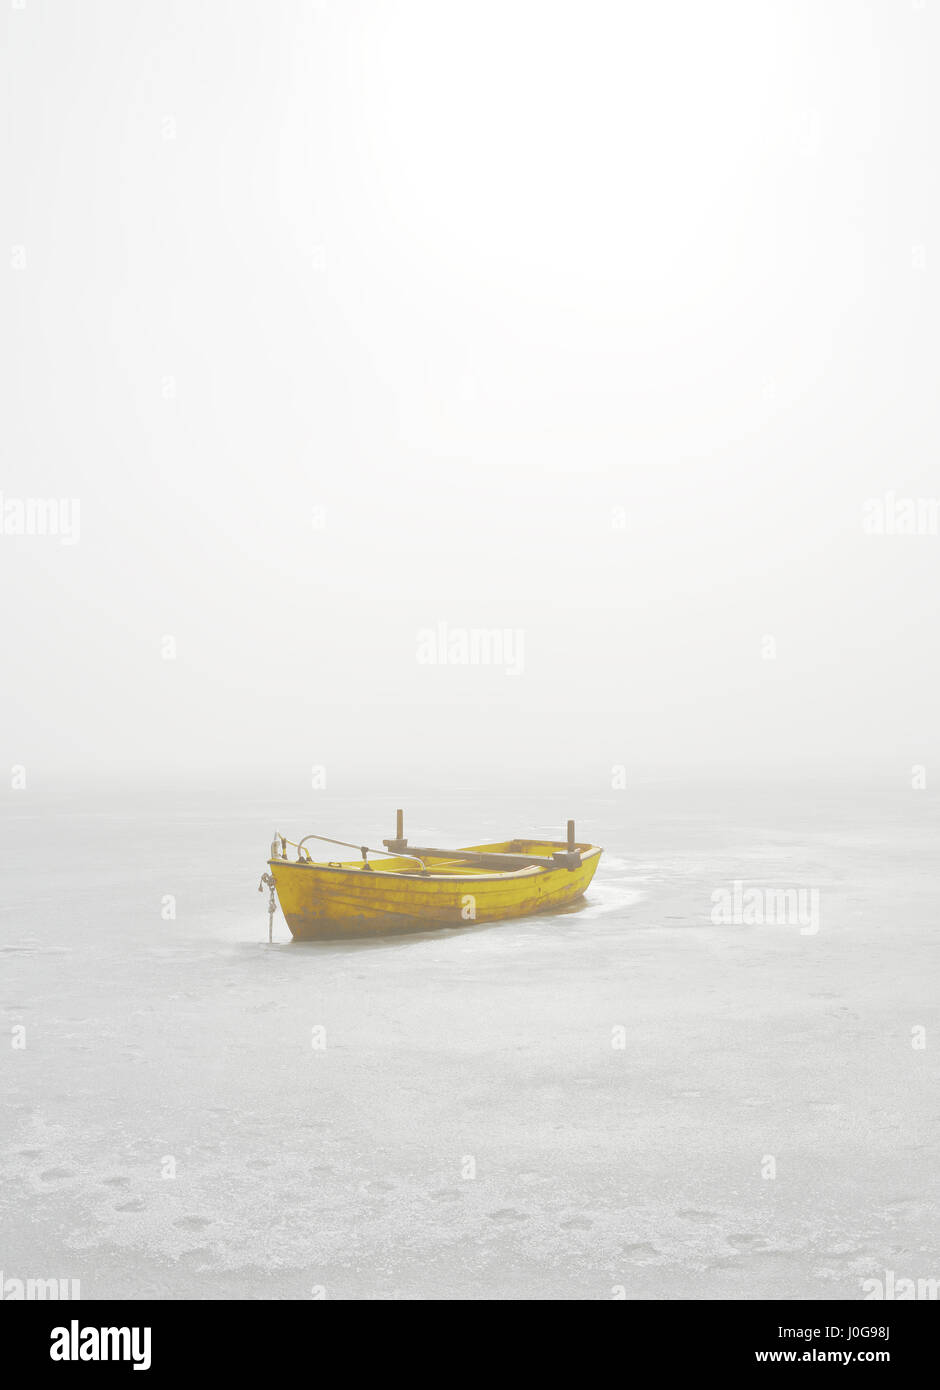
[490, 1050]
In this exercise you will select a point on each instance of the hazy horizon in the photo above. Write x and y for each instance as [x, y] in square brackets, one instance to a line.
[601, 333]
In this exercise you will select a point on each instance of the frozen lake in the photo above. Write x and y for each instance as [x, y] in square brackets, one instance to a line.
[629, 1095]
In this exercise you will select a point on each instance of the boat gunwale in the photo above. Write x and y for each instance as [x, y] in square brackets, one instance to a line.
[499, 875]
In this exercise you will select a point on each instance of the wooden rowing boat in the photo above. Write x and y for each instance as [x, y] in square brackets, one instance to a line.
[416, 888]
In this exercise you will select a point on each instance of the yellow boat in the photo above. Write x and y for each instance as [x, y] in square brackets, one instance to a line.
[419, 889]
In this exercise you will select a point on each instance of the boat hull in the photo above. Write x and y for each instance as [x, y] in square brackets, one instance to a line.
[323, 901]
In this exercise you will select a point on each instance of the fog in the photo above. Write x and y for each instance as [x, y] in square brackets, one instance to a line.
[469, 387]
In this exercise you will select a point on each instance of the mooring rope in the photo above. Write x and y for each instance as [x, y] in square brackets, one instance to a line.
[267, 881]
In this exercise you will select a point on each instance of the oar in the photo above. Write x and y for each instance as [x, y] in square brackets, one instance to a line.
[489, 859]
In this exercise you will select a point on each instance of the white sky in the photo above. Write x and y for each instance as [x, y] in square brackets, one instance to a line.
[470, 278]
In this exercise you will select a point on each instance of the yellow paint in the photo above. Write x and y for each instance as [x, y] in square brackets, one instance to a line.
[343, 899]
